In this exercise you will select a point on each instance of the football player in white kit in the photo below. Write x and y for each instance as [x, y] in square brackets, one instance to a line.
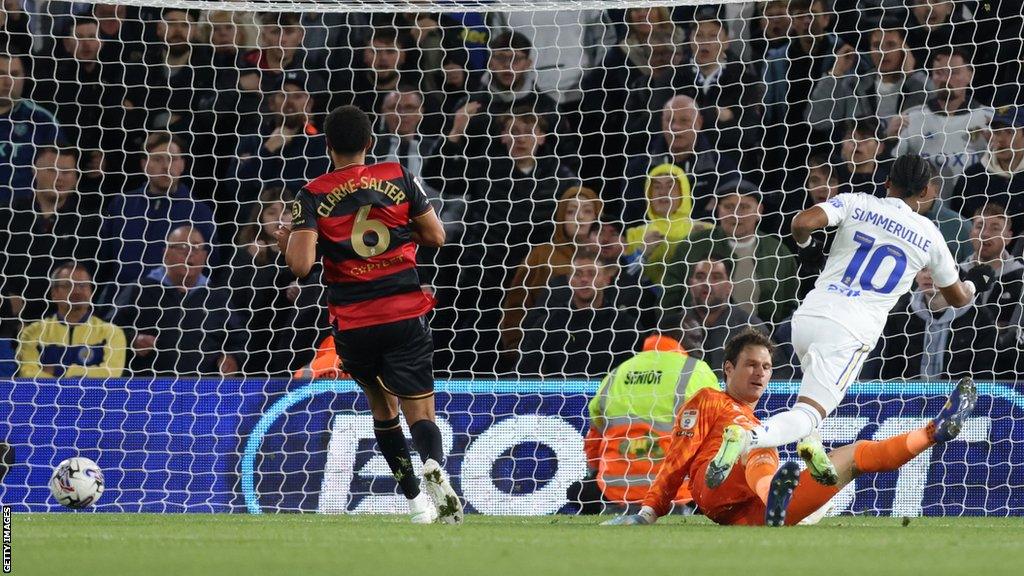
[878, 249]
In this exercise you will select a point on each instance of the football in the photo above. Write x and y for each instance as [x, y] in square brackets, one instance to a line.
[77, 483]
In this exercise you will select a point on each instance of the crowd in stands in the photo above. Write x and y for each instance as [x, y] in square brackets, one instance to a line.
[601, 175]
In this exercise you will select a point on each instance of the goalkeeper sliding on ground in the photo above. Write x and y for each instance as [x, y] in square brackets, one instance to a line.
[758, 491]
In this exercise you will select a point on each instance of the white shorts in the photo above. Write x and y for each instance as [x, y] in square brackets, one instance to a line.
[830, 358]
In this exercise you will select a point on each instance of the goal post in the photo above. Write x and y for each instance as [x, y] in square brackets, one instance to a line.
[604, 170]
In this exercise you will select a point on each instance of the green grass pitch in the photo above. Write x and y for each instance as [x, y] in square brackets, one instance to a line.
[300, 545]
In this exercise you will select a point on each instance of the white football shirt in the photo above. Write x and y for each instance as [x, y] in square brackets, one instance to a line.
[879, 248]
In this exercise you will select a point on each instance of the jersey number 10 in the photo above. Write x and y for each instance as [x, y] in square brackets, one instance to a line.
[878, 256]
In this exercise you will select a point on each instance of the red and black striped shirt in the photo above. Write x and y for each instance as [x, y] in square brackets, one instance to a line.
[362, 215]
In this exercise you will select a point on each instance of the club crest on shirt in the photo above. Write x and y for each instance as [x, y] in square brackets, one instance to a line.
[688, 419]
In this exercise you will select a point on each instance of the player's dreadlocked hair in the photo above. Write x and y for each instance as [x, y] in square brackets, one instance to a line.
[910, 175]
[749, 337]
[348, 130]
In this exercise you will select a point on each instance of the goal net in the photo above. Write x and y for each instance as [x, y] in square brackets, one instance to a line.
[604, 171]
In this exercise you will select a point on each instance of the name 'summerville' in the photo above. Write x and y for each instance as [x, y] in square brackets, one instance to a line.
[339, 193]
[893, 227]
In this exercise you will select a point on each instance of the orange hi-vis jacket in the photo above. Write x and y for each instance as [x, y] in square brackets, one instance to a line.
[695, 441]
[632, 421]
[326, 364]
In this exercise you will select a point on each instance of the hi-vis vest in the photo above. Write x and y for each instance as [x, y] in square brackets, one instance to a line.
[633, 414]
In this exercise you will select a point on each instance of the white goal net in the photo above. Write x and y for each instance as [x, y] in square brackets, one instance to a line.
[604, 171]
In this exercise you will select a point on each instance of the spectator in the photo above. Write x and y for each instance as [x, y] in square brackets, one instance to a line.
[398, 138]
[614, 92]
[383, 66]
[565, 46]
[670, 204]
[511, 204]
[927, 339]
[888, 82]
[631, 419]
[999, 176]
[727, 93]
[137, 222]
[579, 335]
[955, 230]
[682, 143]
[822, 181]
[120, 33]
[510, 83]
[87, 95]
[40, 232]
[633, 289]
[15, 36]
[861, 163]
[774, 24]
[577, 219]
[764, 272]
[951, 112]
[174, 84]
[712, 318]
[933, 26]
[991, 233]
[71, 342]
[24, 126]
[790, 71]
[289, 152]
[264, 293]
[178, 322]
[455, 86]
[280, 50]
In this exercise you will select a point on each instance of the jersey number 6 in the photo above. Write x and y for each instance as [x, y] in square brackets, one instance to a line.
[881, 253]
[361, 227]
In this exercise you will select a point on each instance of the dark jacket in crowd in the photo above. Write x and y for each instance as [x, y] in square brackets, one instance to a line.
[980, 184]
[32, 244]
[193, 329]
[136, 226]
[914, 334]
[564, 341]
[23, 129]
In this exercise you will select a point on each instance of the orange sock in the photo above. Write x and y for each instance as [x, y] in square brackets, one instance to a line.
[890, 454]
[808, 497]
[761, 466]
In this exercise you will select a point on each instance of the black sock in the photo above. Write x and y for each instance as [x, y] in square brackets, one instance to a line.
[392, 444]
[426, 436]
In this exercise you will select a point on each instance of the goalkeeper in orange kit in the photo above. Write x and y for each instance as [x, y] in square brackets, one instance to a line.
[758, 491]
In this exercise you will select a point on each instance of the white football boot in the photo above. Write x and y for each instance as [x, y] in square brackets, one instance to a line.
[422, 509]
[435, 483]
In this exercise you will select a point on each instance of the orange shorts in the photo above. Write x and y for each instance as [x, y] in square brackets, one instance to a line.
[735, 504]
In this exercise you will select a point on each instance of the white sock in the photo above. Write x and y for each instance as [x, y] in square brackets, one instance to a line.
[785, 428]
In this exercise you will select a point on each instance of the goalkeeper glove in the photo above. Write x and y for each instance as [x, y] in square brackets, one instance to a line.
[812, 253]
[981, 276]
[645, 517]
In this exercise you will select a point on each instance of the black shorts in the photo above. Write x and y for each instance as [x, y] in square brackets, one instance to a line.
[397, 357]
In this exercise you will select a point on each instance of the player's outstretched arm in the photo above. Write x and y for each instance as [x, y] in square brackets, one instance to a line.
[427, 230]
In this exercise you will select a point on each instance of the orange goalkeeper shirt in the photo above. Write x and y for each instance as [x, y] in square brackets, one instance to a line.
[696, 437]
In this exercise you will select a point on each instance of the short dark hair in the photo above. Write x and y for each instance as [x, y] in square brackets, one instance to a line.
[950, 51]
[84, 20]
[280, 18]
[56, 151]
[348, 130]
[509, 40]
[163, 138]
[910, 174]
[192, 15]
[991, 209]
[714, 259]
[866, 125]
[749, 337]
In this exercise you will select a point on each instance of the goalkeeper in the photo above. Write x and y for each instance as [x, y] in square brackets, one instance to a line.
[759, 491]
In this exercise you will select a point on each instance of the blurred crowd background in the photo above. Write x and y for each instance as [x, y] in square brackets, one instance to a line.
[602, 175]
